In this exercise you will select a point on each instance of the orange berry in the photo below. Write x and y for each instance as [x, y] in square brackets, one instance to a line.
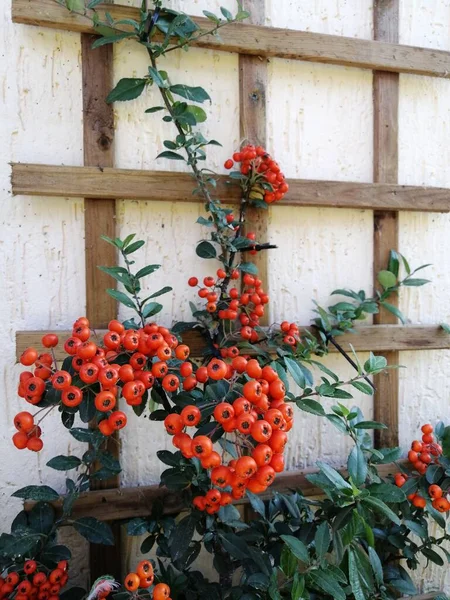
[132, 582]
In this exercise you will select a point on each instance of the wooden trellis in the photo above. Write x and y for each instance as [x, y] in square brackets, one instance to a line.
[101, 184]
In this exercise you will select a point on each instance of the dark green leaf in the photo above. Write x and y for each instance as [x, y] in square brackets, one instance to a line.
[160, 292]
[394, 310]
[121, 297]
[64, 463]
[157, 77]
[433, 556]
[193, 94]
[380, 506]
[415, 282]
[369, 425]
[353, 573]
[234, 545]
[133, 247]
[94, 531]
[295, 371]
[198, 113]
[136, 526]
[206, 250]
[154, 108]
[357, 466]
[151, 309]
[365, 388]
[37, 493]
[148, 270]
[326, 582]
[54, 554]
[257, 504]
[322, 540]
[297, 547]
[288, 562]
[127, 89]
[376, 565]
[171, 155]
[387, 492]
[333, 475]
[41, 518]
[74, 593]
[111, 39]
[310, 406]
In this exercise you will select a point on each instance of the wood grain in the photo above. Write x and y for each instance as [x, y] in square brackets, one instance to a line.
[265, 41]
[98, 136]
[375, 338]
[128, 503]
[386, 94]
[253, 125]
[165, 186]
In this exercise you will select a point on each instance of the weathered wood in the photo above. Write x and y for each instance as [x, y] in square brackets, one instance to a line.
[265, 41]
[375, 338]
[128, 503]
[253, 125]
[167, 186]
[386, 94]
[98, 136]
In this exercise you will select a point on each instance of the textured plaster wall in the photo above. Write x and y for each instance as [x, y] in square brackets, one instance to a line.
[319, 126]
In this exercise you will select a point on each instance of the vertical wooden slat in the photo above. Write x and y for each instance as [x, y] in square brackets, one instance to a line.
[98, 134]
[385, 93]
[252, 105]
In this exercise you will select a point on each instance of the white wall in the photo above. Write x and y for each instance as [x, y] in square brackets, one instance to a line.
[319, 126]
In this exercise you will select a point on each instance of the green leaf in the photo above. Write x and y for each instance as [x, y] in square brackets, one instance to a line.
[75, 5]
[375, 364]
[152, 308]
[153, 109]
[41, 518]
[394, 310]
[121, 297]
[416, 528]
[19, 546]
[295, 371]
[248, 267]
[181, 536]
[288, 562]
[298, 587]
[111, 39]
[211, 16]
[84, 435]
[297, 547]
[369, 425]
[226, 13]
[353, 574]
[333, 476]
[229, 515]
[380, 506]
[376, 565]
[193, 94]
[206, 250]
[198, 113]
[170, 155]
[56, 553]
[94, 531]
[127, 89]
[148, 270]
[234, 545]
[326, 582]
[157, 77]
[415, 282]
[310, 406]
[357, 466]
[64, 463]
[365, 388]
[257, 504]
[387, 492]
[387, 279]
[160, 292]
[133, 247]
[136, 526]
[37, 493]
[322, 540]
[93, 3]
[433, 556]
[259, 581]
[445, 327]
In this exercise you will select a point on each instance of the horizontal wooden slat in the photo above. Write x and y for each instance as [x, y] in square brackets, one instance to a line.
[375, 338]
[91, 182]
[265, 41]
[127, 503]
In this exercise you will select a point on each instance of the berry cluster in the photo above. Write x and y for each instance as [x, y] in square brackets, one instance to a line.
[143, 578]
[32, 583]
[264, 174]
[423, 454]
[246, 305]
[125, 365]
[259, 419]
